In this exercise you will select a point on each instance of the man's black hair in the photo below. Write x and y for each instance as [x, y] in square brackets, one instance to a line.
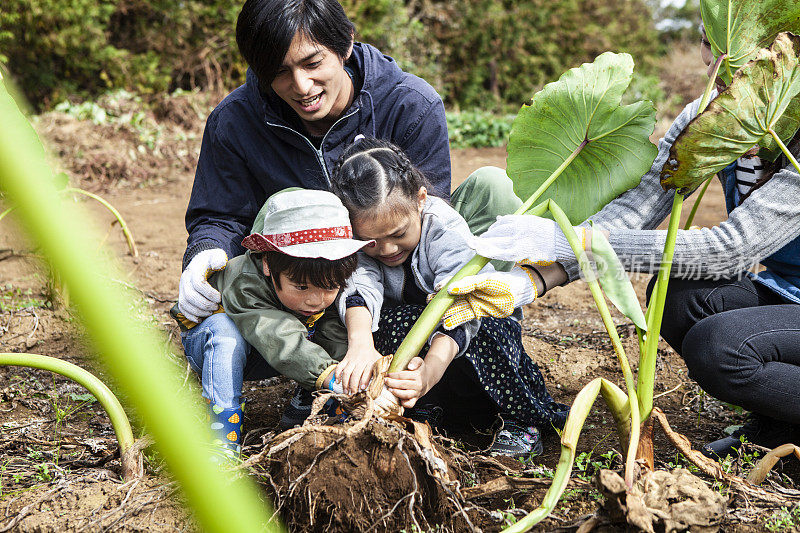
[265, 30]
[323, 273]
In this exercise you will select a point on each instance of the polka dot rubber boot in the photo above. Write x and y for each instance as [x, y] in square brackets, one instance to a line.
[226, 427]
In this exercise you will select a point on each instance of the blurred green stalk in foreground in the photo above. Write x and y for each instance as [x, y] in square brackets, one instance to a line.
[131, 352]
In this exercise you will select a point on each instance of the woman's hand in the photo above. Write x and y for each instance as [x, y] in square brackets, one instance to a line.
[525, 237]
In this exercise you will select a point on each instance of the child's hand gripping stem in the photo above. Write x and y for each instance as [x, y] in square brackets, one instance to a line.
[422, 374]
[355, 370]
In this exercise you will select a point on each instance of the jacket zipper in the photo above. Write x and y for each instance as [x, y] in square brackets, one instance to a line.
[318, 153]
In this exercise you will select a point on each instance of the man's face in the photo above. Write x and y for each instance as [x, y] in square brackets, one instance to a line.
[312, 80]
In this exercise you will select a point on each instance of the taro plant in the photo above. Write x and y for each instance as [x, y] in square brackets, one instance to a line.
[585, 135]
[131, 352]
[131, 464]
[62, 181]
[759, 107]
[737, 30]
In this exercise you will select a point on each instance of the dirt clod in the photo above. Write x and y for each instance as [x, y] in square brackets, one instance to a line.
[662, 501]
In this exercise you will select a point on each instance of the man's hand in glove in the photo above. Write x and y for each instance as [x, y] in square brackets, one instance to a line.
[197, 299]
[526, 237]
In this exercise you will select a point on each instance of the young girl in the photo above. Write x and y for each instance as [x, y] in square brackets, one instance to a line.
[467, 374]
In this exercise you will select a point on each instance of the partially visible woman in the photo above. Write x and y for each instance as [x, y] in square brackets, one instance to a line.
[738, 332]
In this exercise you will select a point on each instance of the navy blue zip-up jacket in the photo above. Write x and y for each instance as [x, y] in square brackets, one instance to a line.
[253, 146]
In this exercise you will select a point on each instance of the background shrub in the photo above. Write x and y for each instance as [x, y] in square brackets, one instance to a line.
[474, 129]
[486, 54]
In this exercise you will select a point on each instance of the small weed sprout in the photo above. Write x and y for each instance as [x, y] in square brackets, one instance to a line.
[14, 299]
[784, 519]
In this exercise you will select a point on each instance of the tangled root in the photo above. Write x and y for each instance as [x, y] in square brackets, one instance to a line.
[380, 477]
[374, 472]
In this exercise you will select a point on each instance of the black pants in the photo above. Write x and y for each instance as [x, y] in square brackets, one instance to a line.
[740, 342]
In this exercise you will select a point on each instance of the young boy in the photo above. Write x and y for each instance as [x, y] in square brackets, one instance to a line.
[277, 315]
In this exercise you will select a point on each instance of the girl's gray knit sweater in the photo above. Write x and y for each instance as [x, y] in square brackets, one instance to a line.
[766, 221]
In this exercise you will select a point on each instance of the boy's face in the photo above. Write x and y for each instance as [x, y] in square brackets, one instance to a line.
[302, 298]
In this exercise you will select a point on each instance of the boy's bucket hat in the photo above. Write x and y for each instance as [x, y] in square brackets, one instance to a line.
[304, 223]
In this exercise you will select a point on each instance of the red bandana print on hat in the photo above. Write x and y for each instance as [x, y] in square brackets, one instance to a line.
[257, 242]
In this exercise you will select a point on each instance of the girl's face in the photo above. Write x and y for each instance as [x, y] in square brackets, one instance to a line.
[395, 236]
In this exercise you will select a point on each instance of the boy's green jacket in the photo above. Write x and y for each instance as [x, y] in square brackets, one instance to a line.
[275, 332]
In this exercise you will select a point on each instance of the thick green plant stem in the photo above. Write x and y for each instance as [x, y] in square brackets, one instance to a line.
[785, 150]
[119, 420]
[429, 318]
[549, 181]
[132, 351]
[655, 313]
[618, 405]
[597, 294]
[700, 195]
[122, 224]
[703, 105]
[434, 311]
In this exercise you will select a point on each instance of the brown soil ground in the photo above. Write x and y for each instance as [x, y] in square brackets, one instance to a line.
[58, 471]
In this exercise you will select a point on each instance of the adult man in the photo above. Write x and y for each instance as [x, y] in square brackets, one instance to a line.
[309, 91]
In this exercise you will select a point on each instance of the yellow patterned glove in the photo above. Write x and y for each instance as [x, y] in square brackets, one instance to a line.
[494, 294]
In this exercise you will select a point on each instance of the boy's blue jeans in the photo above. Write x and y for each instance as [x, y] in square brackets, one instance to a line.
[223, 359]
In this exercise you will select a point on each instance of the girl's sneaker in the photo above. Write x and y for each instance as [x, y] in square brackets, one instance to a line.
[518, 441]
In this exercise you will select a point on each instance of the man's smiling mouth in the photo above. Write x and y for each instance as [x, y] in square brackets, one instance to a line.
[308, 102]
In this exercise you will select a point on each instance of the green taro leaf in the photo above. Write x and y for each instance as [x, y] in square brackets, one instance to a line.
[762, 96]
[615, 281]
[580, 113]
[740, 28]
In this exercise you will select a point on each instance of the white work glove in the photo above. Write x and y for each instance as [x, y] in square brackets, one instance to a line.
[197, 299]
[526, 237]
[494, 294]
